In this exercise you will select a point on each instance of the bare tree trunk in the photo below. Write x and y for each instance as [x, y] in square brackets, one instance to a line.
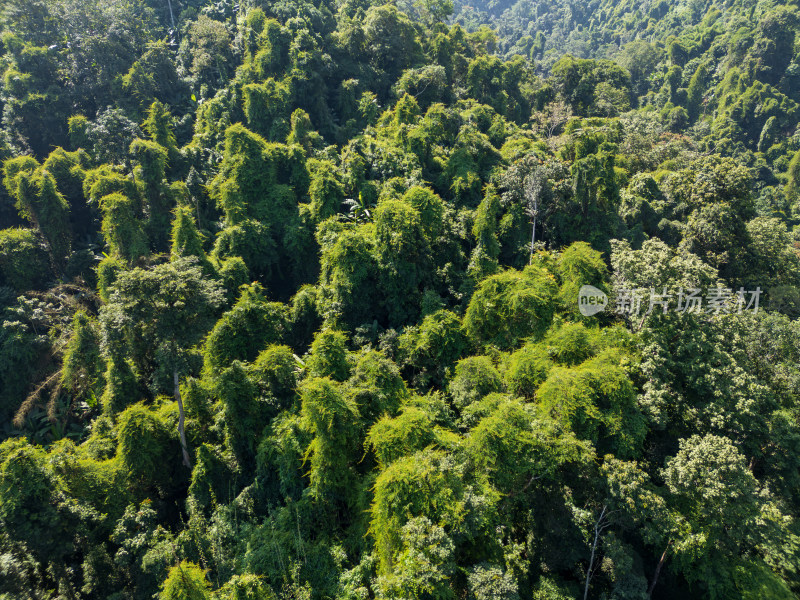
[597, 529]
[186, 460]
[171, 18]
[533, 188]
[657, 572]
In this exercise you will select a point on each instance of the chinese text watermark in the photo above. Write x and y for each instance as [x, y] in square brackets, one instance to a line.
[643, 301]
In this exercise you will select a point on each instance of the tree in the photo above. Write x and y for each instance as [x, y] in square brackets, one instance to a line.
[326, 191]
[474, 378]
[302, 132]
[248, 328]
[163, 312]
[510, 306]
[696, 90]
[394, 437]
[723, 517]
[153, 159]
[597, 401]
[376, 386]
[122, 229]
[349, 274]
[656, 265]
[23, 260]
[185, 581]
[245, 413]
[206, 52]
[158, 126]
[515, 449]
[430, 208]
[82, 372]
[39, 201]
[186, 240]
[579, 265]
[433, 347]
[640, 58]
[328, 356]
[534, 183]
[332, 420]
[434, 11]
[578, 79]
[391, 41]
[527, 369]
[424, 566]
[403, 256]
[484, 256]
[424, 484]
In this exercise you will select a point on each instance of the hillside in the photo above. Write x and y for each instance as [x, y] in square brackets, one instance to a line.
[435, 301]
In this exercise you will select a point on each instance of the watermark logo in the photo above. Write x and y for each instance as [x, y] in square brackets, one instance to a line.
[591, 300]
[638, 301]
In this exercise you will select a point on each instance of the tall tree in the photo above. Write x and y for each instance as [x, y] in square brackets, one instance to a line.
[164, 311]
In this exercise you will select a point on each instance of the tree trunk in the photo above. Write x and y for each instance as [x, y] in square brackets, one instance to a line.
[171, 18]
[597, 529]
[186, 460]
[657, 572]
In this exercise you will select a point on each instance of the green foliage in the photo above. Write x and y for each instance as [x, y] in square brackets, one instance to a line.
[23, 262]
[146, 449]
[512, 449]
[579, 265]
[710, 472]
[249, 327]
[266, 109]
[434, 346]
[422, 491]
[257, 188]
[424, 566]
[327, 193]
[186, 240]
[392, 438]
[376, 386]
[29, 508]
[122, 230]
[245, 414]
[249, 241]
[302, 133]
[657, 265]
[527, 369]
[597, 401]
[593, 87]
[39, 201]
[168, 308]
[328, 356]
[275, 372]
[153, 160]
[474, 378]
[332, 420]
[511, 306]
[246, 587]
[185, 581]
[430, 208]
[348, 276]
[486, 581]
[158, 126]
[311, 224]
[82, 372]
[484, 257]
[402, 253]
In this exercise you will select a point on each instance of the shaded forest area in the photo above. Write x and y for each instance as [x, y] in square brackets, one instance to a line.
[273, 325]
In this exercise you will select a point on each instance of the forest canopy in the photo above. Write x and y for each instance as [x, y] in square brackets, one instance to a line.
[292, 300]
